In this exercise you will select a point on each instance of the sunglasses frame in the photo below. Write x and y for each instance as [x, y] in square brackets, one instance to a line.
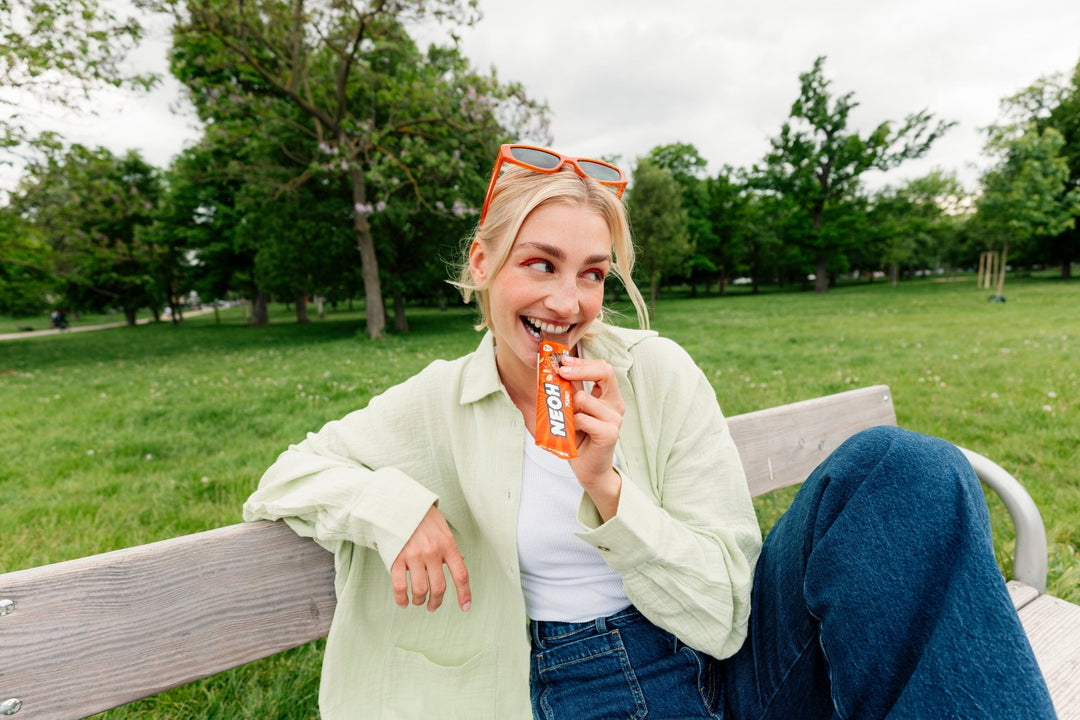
[506, 156]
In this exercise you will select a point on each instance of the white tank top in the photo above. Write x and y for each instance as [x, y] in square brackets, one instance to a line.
[563, 577]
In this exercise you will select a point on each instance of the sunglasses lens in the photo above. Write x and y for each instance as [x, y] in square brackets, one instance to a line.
[598, 172]
[536, 158]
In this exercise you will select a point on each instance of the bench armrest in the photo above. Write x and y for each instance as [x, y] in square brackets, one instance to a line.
[1029, 558]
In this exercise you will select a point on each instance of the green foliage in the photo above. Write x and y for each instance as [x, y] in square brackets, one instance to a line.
[26, 278]
[59, 52]
[1027, 195]
[88, 206]
[917, 225]
[817, 162]
[1050, 103]
[660, 225]
[381, 114]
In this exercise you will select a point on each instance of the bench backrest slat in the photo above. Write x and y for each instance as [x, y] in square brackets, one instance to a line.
[780, 446]
[90, 634]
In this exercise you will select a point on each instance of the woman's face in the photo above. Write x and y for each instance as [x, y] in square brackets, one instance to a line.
[552, 282]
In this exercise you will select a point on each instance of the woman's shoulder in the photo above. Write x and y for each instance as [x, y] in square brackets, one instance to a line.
[611, 341]
[454, 378]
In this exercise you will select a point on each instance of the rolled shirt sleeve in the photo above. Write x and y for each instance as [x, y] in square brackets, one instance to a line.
[685, 537]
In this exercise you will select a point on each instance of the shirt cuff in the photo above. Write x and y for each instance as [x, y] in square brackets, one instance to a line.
[632, 536]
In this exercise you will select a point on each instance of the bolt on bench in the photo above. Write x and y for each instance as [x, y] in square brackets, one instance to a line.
[86, 635]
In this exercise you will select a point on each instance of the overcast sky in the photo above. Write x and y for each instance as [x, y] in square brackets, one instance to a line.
[622, 76]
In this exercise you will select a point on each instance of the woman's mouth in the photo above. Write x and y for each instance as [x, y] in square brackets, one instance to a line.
[538, 328]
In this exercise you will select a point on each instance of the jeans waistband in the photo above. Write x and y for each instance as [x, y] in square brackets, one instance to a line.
[546, 633]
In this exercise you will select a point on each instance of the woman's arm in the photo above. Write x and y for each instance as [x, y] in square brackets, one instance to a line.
[684, 538]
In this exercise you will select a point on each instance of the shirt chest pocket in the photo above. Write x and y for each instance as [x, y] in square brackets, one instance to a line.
[416, 687]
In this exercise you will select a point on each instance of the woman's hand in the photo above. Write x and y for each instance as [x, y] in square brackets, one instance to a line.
[421, 561]
[598, 418]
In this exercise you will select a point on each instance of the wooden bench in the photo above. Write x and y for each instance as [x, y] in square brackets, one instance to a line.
[86, 635]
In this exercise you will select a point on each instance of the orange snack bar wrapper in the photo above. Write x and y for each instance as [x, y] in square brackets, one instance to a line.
[554, 403]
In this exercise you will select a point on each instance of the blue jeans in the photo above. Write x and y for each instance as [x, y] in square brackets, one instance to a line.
[876, 595]
[620, 666]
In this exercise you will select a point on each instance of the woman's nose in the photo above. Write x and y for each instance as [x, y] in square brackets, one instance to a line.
[563, 299]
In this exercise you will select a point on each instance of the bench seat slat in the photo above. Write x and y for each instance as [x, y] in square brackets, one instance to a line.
[1021, 593]
[1053, 627]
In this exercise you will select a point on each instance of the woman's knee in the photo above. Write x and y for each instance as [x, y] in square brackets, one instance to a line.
[895, 450]
[887, 461]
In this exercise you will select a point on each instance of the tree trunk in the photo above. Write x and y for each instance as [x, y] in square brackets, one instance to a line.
[129, 314]
[369, 264]
[260, 314]
[821, 278]
[1001, 275]
[401, 323]
[654, 291]
[821, 275]
[301, 309]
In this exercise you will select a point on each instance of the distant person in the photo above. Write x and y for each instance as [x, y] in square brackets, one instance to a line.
[630, 580]
[59, 319]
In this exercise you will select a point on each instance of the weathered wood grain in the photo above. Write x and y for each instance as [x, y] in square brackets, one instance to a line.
[781, 446]
[90, 634]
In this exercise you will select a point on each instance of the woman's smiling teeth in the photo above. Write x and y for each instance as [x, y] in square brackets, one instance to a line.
[537, 327]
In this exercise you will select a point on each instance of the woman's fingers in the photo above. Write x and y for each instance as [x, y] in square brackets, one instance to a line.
[417, 572]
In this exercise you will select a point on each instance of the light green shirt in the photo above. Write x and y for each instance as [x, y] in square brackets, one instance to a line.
[684, 539]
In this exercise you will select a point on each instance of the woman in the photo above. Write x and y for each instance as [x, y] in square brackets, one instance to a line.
[618, 583]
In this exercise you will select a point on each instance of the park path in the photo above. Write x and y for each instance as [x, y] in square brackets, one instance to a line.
[87, 328]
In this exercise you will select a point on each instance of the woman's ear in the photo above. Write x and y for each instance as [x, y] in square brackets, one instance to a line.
[477, 263]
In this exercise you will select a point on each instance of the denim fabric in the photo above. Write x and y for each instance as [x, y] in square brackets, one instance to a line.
[876, 596]
[621, 666]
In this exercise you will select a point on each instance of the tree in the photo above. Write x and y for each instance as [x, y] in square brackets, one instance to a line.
[818, 162]
[58, 52]
[51, 53]
[660, 225]
[1026, 195]
[917, 224]
[371, 101]
[1050, 102]
[26, 277]
[687, 167]
[89, 206]
[728, 214]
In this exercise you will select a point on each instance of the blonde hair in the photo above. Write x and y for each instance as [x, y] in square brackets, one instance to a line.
[518, 192]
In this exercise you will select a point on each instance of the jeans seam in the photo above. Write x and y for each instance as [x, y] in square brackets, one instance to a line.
[619, 651]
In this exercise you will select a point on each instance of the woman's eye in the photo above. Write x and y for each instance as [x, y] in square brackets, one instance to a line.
[539, 265]
[595, 275]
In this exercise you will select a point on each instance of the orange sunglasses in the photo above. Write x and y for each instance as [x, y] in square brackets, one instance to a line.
[546, 161]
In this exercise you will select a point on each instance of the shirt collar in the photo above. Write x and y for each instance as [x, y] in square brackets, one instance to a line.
[481, 376]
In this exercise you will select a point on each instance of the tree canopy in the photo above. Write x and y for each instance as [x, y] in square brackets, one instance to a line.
[817, 161]
[375, 109]
[340, 159]
[58, 52]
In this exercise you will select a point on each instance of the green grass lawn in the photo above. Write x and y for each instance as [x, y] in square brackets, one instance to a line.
[127, 436]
